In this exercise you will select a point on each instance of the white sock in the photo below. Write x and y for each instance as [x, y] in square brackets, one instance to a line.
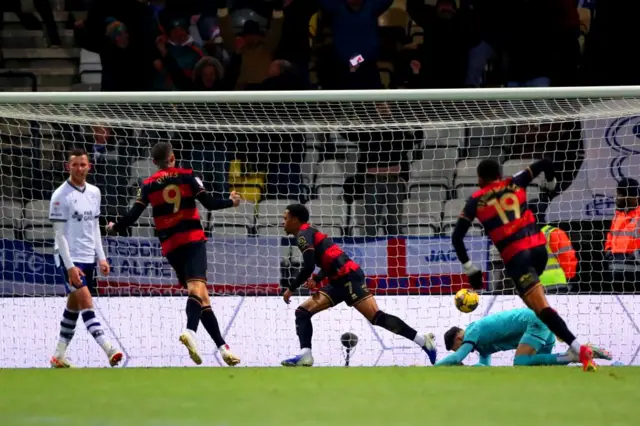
[419, 339]
[575, 346]
[568, 357]
[224, 348]
[305, 351]
[61, 349]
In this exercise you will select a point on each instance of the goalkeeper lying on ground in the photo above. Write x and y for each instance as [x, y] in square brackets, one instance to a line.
[518, 329]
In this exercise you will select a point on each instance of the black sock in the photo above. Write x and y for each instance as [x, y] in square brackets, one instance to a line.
[194, 307]
[210, 323]
[557, 325]
[394, 325]
[304, 328]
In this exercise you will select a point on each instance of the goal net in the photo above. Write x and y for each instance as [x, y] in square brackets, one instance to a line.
[385, 174]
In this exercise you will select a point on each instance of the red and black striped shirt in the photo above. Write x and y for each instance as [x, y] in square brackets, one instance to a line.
[172, 194]
[329, 257]
[501, 208]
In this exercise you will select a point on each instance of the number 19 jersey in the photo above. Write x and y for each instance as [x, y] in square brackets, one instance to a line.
[172, 194]
[501, 208]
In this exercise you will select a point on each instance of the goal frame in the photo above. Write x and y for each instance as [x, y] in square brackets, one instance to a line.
[400, 95]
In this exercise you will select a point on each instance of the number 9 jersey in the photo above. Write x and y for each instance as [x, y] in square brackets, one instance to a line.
[172, 194]
[501, 208]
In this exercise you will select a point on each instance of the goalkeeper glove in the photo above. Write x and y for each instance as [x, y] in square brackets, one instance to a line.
[474, 274]
[549, 185]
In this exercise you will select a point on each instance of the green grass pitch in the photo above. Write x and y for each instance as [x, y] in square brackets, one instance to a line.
[321, 396]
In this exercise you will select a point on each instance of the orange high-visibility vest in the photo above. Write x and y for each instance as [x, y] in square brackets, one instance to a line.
[624, 236]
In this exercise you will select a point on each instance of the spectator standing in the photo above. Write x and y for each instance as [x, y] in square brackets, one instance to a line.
[382, 173]
[562, 262]
[356, 43]
[178, 55]
[441, 60]
[283, 153]
[537, 41]
[622, 246]
[122, 32]
[255, 48]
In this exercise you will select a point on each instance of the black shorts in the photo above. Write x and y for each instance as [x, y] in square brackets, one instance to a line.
[526, 267]
[350, 289]
[189, 262]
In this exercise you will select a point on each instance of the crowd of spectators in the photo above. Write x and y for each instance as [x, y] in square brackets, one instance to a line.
[226, 45]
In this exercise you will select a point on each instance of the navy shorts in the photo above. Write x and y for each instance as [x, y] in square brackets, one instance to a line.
[89, 279]
[350, 289]
[189, 262]
[526, 267]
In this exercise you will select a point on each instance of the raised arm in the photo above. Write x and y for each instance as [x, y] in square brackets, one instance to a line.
[275, 30]
[380, 6]
[457, 240]
[227, 32]
[525, 177]
[457, 357]
[208, 201]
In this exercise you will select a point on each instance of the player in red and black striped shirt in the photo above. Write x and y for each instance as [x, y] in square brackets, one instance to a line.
[501, 207]
[346, 284]
[172, 193]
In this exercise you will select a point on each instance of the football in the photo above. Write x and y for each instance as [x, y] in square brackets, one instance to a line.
[466, 300]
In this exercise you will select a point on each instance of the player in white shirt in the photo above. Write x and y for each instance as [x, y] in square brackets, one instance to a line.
[74, 211]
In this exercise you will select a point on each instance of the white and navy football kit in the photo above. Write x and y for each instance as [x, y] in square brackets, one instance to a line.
[78, 211]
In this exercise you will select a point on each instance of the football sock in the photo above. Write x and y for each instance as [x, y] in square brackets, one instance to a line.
[194, 309]
[419, 340]
[543, 359]
[95, 329]
[210, 323]
[394, 325]
[67, 330]
[304, 328]
[558, 327]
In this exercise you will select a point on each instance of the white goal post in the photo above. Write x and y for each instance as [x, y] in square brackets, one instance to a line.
[384, 173]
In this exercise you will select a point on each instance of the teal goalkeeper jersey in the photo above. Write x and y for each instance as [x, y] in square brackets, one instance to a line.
[495, 333]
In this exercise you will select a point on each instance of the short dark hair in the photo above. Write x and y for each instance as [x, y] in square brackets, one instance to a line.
[450, 337]
[489, 170]
[299, 211]
[160, 153]
[78, 152]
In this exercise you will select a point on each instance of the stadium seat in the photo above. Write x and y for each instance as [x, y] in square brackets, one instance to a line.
[7, 233]
[436, 166]
[228, 230]
[270, 211]
[243, 215]
[422, 230]
[329, 192]
[270, 231]
[452, 208]
[465, 190]
[90, 67]
[467, 170]
[449, 139]
[475, 230]
[327, 212]
[426, 212]
[329, 172]
[142, 169]
[11, 213]
[37, 211]
[427, 192]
